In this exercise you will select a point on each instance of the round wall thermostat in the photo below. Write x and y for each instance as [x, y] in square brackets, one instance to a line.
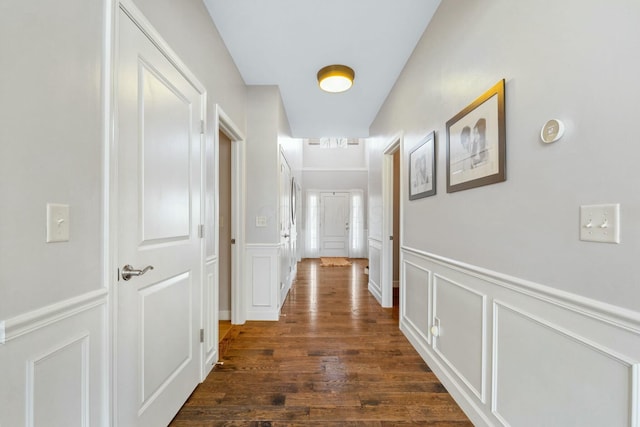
[552, 131]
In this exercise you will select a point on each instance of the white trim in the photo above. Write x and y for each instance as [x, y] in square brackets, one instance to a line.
[403, 302]
[37, 319]
[2, 335]
[617, 316]
[224, 124]
[386, 258]
[110, 209]
[635, 395]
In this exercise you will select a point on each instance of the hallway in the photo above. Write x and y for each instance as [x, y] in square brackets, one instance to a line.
[334, 358]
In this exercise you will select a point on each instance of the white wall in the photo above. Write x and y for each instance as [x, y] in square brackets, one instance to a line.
[351, 157]
[53, 297]
[569, 60]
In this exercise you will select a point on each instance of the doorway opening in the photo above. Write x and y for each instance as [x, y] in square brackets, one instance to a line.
[223, 234]
[225, 225]
[396, 229]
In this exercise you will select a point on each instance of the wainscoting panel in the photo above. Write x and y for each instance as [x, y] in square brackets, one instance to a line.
[261, 268]
[375, 281]
[58, 384]
[517, 353]
[417, 309]
[54, 364]
[460, 315]
[608, 401]
[263, 302]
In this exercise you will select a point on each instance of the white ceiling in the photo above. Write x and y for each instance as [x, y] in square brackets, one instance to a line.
[286, 42]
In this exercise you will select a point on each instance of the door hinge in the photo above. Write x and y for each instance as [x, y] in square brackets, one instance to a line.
[390, 237]
[233, 241]
[201, 335]
[201, 231]
[201, 127]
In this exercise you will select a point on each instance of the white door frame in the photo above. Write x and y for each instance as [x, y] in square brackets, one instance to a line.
[111, 169]
[224, 124]
[386, 255]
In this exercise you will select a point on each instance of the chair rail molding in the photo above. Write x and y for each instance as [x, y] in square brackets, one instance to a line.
[45, 316]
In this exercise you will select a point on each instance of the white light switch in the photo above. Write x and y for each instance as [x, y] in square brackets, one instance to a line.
[600, 223]
[57, 223]
[261, 221]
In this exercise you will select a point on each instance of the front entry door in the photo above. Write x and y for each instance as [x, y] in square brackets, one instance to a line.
[158, 182]
[334, 224]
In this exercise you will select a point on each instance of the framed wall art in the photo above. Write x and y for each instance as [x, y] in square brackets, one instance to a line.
[476, 142]
[422, 168]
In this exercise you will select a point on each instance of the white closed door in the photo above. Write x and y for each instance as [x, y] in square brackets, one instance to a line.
[334, 224]
[285, 221]
[158, 204]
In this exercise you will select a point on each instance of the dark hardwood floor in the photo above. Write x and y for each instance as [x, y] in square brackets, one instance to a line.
[335, 358]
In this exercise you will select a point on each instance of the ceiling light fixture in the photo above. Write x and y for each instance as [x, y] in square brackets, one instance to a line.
[335, 78]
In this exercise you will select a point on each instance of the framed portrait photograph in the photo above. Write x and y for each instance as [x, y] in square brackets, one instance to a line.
[422, 168]
[476, 142]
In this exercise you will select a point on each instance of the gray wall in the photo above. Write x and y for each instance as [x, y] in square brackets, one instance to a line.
[572, 60]
[262, 163]
[52, 135]
[498, 294]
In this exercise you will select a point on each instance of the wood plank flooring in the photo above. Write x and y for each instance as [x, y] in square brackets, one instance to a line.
[335, 358]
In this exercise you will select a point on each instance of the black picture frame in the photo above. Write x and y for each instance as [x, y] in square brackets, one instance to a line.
[422, 168]
[476, 142]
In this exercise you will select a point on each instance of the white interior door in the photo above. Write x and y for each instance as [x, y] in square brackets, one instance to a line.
[334, 224]
[285, 221]
[159, 171]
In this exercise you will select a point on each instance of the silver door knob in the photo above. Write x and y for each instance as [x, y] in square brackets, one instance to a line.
[128, 272]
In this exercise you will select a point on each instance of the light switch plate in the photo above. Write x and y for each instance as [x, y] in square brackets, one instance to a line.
[57, 223]
[261, 221]
[600, 223]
